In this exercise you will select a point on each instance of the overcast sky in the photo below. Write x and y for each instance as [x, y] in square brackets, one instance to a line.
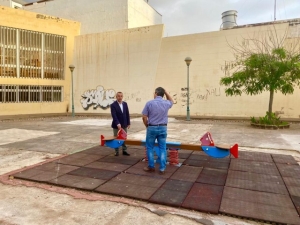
[197, 16]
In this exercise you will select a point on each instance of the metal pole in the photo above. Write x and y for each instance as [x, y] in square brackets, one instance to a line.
[73, 112]
[188, 96]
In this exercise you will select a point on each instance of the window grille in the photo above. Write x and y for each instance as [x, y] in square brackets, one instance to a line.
[54, 56]
[31, 54]
[8, 52]
[30, 93]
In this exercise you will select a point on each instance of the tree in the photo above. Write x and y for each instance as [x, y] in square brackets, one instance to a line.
[270, 63]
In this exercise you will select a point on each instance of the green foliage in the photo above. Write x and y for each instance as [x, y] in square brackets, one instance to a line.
[268, 119]
[268, 63]
[275, 71]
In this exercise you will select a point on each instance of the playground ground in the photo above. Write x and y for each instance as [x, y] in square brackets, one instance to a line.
[27, 143]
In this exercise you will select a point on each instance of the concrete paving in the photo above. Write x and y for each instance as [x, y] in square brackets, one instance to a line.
[27, 142]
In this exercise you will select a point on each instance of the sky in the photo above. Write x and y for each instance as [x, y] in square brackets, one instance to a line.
[197, 16]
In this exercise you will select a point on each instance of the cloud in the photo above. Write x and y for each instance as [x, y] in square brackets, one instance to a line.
[196, 16]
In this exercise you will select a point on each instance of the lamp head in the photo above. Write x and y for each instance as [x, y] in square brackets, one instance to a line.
[72, 67]
[188, 60]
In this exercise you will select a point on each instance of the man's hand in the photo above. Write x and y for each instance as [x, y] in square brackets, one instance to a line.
[128, 126]
[119, 126]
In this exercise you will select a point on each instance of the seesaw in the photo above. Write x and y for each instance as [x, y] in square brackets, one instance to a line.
[206, 144]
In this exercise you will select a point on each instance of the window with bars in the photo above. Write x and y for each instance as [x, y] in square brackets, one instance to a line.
[31, 54]
[30, 93]
[8, 52]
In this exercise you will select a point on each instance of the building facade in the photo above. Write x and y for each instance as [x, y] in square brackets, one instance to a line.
[98, 16]
[113, 54]
[35, 51]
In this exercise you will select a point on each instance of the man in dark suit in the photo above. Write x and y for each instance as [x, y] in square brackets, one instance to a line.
[121, 119]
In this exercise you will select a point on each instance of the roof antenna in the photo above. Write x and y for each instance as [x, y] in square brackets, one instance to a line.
[275, 11]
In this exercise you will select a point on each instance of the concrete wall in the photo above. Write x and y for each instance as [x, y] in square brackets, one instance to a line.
[142, 14]
[100, 15]
[42, 23]
[136, 61]
[5, 3]
[209, 52]
[124, 60]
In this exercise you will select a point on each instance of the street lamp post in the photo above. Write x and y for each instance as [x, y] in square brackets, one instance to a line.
[72, 67]
[188, 61]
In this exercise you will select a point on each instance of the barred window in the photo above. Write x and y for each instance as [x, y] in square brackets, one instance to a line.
[31, 54]
[34, 93]
[47, 93]
[23, 93]
[54, 56]
[30, 93]
[8, 52]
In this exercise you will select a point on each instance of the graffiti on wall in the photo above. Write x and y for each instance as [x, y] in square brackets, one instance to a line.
[132, 96]
[98, 97]
[209, 92]
[196, 95]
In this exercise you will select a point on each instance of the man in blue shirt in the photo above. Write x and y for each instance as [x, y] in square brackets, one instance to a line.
[155, 118]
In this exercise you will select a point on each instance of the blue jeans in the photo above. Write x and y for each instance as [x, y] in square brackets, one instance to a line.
[158, 133]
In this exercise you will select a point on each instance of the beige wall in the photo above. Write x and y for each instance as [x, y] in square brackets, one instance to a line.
[100, 15]
[140, 14]
[124, 60]
[17, 18]
[136, 61]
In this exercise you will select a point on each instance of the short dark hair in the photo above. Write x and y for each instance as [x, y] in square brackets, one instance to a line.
[160, 91]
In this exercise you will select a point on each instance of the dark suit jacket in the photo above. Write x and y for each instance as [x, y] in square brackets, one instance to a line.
[118, 116]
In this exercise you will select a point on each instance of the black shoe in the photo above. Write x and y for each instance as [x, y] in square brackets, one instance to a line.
[149, 169]
[117, 153]
[126, 153]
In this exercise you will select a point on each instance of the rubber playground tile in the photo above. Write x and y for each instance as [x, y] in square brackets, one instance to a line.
[220, 160]
[212, 176]
[139, 170]
[204, 197]
[57, 168]
[26, 174]
[168, 197]
[254, 167]
[255, 156]
[258, 197]
[128, 160]
[94, 173]
[197, 163]
[296, 200]
[99, 150]
[127, 190]
[138, 179]
[292, 181]
[187, 173]
[284, 159]
[77, 182]
[289, 170]
[78, 159]
[257, 186]
[255, 177]
[108, 166]
[294, 190]
[177, 185]
[293, 185]
[199, 157]
[217, 165]
[257, 205]
[183, 155]
[45, 176]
